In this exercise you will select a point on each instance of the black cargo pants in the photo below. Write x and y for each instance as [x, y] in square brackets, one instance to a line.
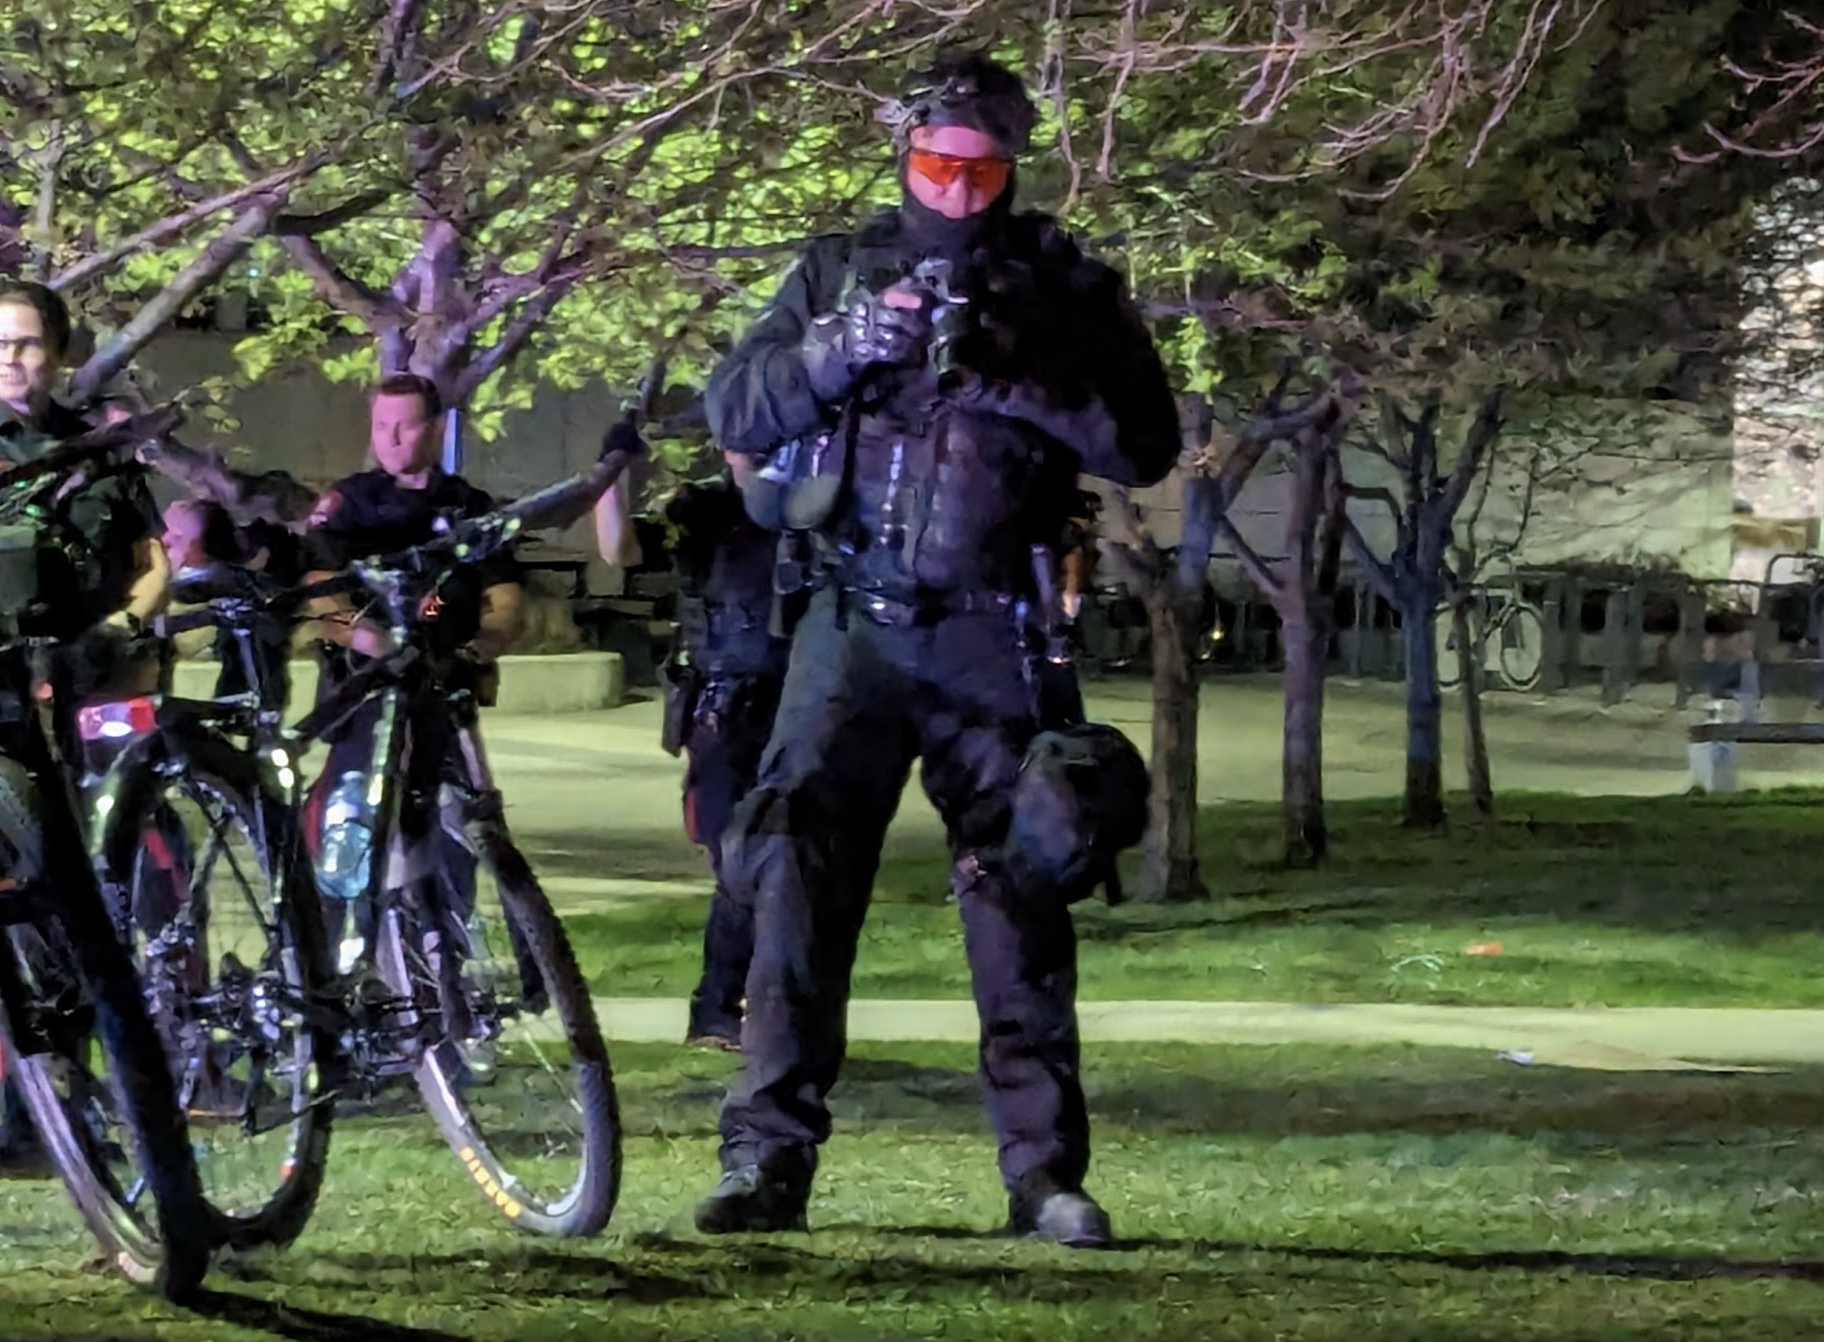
[859, 706]
[732, 721]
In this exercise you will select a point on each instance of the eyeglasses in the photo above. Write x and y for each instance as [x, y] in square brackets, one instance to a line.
[988, 176]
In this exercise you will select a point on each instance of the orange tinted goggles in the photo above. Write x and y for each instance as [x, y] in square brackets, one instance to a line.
[987, 176]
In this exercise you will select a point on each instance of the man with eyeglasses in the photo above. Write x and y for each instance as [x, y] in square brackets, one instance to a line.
[917, 403]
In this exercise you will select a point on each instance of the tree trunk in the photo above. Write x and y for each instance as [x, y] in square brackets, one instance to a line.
[1169, 869]
[1303, 759]
[1475, 741]
[1424, 803]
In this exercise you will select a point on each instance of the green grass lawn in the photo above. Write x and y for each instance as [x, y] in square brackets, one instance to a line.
[1262, 1193]
[1699, 901]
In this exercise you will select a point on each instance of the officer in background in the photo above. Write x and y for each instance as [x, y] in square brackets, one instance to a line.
[919, 399]
[722, 684]
[200, 536]
[243, 518]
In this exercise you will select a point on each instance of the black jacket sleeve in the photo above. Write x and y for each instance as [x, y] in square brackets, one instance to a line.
[760, 395]
[329, 543]
[502, 568]
[1115, 408]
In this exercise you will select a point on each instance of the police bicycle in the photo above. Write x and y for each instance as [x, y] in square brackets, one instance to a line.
[485, 1010]
[78, 1041]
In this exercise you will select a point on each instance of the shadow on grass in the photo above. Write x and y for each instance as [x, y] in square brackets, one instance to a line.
[309, 1325]
[1266, 1094]
[1630, 1113]
[1075, 1275]
[1717, 865]
[626, 854]
[526, 1272]
[1647, 1266]
[847, 1263]
[1720, 867]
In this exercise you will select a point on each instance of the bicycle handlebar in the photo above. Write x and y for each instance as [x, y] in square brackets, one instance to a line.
[234, 597]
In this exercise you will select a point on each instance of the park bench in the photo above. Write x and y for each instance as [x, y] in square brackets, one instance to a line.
[1712, 746]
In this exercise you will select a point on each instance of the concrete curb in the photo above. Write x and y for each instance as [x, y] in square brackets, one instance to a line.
[1618, 1039]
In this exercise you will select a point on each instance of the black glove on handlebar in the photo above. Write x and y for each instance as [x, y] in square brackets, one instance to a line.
[98, 656]
[622, 437]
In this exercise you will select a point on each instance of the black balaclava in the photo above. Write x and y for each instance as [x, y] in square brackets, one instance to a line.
[966, 89]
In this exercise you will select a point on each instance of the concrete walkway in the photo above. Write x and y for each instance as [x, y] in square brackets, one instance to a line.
[1630, 1039]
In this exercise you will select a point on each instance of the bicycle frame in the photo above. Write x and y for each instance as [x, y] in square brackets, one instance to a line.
[382, 1038]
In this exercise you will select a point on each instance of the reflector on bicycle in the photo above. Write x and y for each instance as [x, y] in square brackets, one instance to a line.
[117, 719]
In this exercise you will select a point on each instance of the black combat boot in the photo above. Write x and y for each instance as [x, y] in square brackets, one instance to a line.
[1067, 1216]
[755, 1199]
[713, 1024]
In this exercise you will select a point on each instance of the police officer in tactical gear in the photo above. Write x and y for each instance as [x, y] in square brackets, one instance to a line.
[957, 364]
[99, 570]
[200, 535]
[722, 686]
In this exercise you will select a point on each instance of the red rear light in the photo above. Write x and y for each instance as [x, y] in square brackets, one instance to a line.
[117, 720]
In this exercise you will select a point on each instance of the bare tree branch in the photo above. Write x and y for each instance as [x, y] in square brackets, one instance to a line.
[1053, 80]
[1377, 570]
[376, 309]
[1797, 82]
[1259, 572]
[1130, 569]
[1469, 460]
[323, 221]
[224, 251]
[521, 330]
[1378, 494]
[1124, 71]
[1397, 429]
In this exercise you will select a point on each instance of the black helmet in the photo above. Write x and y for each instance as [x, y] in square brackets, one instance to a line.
[1079, 802]
[965, 89]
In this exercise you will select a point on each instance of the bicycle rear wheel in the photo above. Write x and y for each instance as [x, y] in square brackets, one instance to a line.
[1449, 658]
[230, 941]
[1522, 635]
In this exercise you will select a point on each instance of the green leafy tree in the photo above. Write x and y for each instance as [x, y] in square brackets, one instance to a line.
[112, 171]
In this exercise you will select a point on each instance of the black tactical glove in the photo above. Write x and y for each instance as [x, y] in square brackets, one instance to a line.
[99, 655]
[622, 437]
[867, 332]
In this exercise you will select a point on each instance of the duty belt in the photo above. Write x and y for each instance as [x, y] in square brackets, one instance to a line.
[926, 609]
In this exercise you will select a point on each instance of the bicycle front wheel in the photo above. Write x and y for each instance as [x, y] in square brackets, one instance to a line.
[515, 1069]
[88, 1064]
